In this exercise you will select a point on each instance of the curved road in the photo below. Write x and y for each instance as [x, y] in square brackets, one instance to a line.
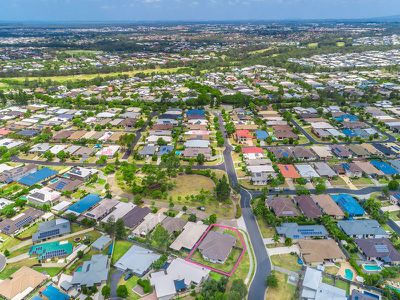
[263, 264]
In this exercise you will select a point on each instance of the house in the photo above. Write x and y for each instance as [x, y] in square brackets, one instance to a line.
[148, 150]
[103, 208]
[14, 225]
[137, 260]
[38, 176]
[302, 153]
[149, 223]
[352, 170]
[282, 207]
[51, 250]
[173, 224]
[313, 288]
[322, 152]
[306, 171]
[288, 171]
[81, 173]
[243, 136]
[384, 167]
[120, 210]
[308, 207]
[197, 144]
[43, 196]
[317, 252]
[101, 243]
[379, 249]
[21, 283]
[94, 272]
[189, 236]
[178, 276]
[295, 231]
[135, 216]
[362, 229]
[349, 205]
[328, 206]
[368, 168]
[84, 204]
[51, 229]
[324, 170]
[16, 173]
[62, 184]
[216, 246]
[341, 151]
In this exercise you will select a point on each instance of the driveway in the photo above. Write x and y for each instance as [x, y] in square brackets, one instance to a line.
[283, 250]
[115, 277]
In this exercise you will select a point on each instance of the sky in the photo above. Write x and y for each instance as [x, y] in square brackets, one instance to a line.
[192, 10]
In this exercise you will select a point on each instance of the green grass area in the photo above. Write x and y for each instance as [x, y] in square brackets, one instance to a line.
[130, 284]
[331, 270]
[9, 242]
[20, 251]
[215, 276]
[266, 231]
[63, 79]
[361, 181]
[28, 232]
[394, 215]
[260, 51]
[76, 227]
[92, 235]
[53, 271]
[338, 182]
[286, 261]
[340, 44]
[12, 268]
[338, 283]
[120, 248]
[284, 291]
[10, 189]
[312, 45]
[186, 185]
[3, 86]
[81, 52]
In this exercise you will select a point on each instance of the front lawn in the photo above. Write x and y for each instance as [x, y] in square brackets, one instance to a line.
[226, 267]
[12, 268]
[130, 284]
[27, 233]
[120, 248]
[53, 271]
[286, 261]
[284, 290]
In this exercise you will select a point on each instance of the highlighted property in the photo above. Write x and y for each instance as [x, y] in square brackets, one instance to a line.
[215, 248]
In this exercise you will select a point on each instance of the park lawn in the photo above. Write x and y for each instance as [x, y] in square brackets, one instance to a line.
[65, 78]
[28, 232]
[9, 242]
[260, 51]
[186, 185]
[226, 267]
[12, 268]
[120, 248]
[52, 271]
[286, 261]
[312, 45]
[130, 284]
[284, 290]
[340, 44]
[266, 231]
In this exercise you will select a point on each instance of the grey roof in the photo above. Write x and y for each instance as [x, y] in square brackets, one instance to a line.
[101, 242]
[197, 144]
[137, 259]
[295, 231]
[51, 228]
[94, 271]
[382, 249]
[173, 224]
[217, 246]
[323, 169]
[361, 227]
[148, 150]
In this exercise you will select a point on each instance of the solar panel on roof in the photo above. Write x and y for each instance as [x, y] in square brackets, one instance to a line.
[381, 248]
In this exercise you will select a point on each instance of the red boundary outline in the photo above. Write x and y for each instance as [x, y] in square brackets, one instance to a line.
[229, 274]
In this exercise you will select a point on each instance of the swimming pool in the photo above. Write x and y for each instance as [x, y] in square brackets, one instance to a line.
[348, 274]
[78, 269]
[371, 268]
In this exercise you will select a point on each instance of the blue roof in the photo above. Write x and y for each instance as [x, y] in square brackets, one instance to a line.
[85, 203]
[347, 117]
[37, 176]
[348, 204]
[349, 132]
[195, 112]
[384, 167]
[53, 293]
[165, 149]
[261, 134]
[180, 284]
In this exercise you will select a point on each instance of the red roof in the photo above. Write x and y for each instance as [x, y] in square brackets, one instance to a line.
[4, 131]
[249, 150]
[244, 133]
[288, 171]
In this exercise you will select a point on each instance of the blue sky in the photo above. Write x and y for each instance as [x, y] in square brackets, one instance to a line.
[192, 10]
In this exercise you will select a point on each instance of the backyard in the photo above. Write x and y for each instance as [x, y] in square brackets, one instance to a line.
[286, 261]
[284, 291]
[120, 248]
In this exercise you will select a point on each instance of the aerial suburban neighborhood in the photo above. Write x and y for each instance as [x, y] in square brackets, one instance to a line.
[220, 160]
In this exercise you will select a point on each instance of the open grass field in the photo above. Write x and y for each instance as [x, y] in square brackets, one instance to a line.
[186, 185]
[260, 51]
[284, 291]
[340, 44]
[62, 79]
[120, 248]
[312, 45]
[28, 232]
[286, 261]
[12, 268]
[9, 242]
[266, 231]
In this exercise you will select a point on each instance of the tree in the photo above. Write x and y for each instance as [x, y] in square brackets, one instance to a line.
[6, 253]
[200, 158]
[110, 226]
[272, 281]
[80, 254]
[239, 287]
[160, 237]
[288, 241]
[106, 291]
[192, 218]
[320, 188]
[120, 231]
[393, 185]
[276, 238]
[223, 189]
[122, 291]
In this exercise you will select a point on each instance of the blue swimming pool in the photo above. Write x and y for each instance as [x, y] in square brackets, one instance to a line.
[348, 274]
[53, 293]
[78, 269]
[371, 268]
